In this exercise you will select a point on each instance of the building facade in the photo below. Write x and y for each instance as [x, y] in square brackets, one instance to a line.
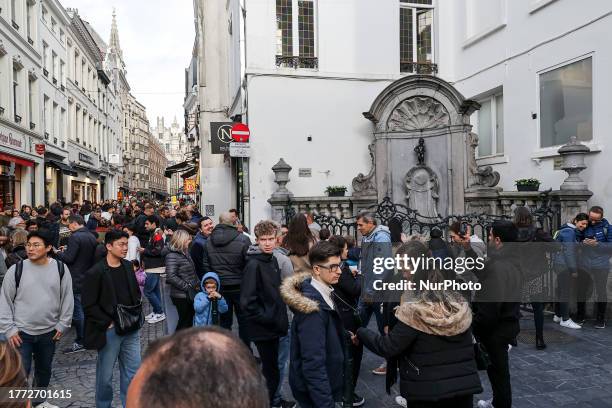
[176, 147]
[158, 184]
[22, 170]
[540, 71]
[301, 87]
[136, 148]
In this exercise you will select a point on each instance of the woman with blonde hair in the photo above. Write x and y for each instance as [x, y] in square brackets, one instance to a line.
[11, 373]
[182, 278]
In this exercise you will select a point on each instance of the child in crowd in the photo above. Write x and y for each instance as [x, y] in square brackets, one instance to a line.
[140, 274]
[208, 304]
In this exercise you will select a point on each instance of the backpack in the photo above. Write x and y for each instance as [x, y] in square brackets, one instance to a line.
[19, 272]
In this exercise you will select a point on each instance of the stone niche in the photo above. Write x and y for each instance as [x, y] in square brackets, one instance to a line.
[420, 148]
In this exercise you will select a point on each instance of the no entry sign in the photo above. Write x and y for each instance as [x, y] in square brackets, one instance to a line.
[240, 133]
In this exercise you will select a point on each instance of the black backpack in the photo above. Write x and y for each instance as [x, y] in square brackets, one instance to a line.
[19, 272]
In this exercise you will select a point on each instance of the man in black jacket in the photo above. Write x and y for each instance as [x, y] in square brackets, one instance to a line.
[225, 253]
[264, 311]
[496, 310]
[79, 256]
[109, 283]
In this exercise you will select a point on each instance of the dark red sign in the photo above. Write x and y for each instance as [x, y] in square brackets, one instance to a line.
[40, 148]
[240, 133]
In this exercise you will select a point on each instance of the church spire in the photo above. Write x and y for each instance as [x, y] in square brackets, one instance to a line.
[114, 37]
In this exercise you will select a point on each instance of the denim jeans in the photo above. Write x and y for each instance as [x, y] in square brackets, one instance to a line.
[42, 347]
[283, 356]
[365, 312]
[126, 350]
[78, 319]
[153, 293]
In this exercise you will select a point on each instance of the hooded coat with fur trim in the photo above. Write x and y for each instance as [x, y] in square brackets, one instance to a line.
[317, 351]
[433, 344]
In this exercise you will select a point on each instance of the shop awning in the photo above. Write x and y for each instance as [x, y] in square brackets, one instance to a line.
[192, 171]
[176, 168]
[67, 170]
[16, 160]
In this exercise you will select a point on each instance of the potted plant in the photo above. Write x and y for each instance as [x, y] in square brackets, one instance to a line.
[529, 184]
[335, 191]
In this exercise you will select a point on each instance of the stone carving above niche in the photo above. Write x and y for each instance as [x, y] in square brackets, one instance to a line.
[418, 112]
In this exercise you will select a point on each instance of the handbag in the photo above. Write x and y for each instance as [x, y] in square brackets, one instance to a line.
[130, 318]
[483, 361]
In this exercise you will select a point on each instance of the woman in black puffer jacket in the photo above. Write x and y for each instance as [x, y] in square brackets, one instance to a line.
[433, 342]
[181, 276]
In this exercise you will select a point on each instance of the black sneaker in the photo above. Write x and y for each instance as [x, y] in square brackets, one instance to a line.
[285, 404]
[600, 324]
[75, 348]
[358, 400]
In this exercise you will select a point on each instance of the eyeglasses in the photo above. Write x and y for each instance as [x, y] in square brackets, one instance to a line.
[36, 245]
[331, 268]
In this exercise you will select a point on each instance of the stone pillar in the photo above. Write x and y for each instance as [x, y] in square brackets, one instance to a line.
[281, 198]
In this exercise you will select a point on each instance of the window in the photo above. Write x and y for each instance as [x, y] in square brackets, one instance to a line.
[16, 90]
[566, 104]
[53, 25]
[295, 34]
[44, 14]
[30, 22]
[491, 126]
[54, 66]
[416, 36]
[62, 70]
[45, 60]
[46, 115]
[31, 99]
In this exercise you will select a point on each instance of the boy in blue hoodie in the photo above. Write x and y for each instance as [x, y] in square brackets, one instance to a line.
[209, 303]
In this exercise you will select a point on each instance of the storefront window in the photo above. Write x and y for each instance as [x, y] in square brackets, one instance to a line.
[10, 186]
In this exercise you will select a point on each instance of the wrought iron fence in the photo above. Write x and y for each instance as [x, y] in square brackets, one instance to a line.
[411, 222]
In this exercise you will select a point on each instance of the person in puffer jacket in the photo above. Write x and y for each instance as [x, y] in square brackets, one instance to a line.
[203, 304]
[566, 265]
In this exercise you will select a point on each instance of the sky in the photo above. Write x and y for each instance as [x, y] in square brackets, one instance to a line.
[156, 37]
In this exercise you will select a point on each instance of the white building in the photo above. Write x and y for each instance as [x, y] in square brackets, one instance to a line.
[540, 69]
[90, 114]
[301, 74]
[53, 26]
[21, 167]
[174, 143]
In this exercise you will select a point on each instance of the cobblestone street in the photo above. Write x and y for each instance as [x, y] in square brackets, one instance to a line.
[574, 371]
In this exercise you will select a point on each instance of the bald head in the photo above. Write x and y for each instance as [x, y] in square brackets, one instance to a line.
[199, 367]
[227, 218]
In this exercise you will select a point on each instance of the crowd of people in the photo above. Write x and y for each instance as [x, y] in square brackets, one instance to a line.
[301, 296]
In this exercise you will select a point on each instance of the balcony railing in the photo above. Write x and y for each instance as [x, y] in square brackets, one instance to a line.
[46, 135]
[32, 125]
[31, 41]
[17, 118]
[45, 72]
[15, 25]
[427, 68]
[296, 62]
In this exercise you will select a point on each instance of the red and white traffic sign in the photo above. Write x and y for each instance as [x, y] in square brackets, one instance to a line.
[240, 133]
[40, 148]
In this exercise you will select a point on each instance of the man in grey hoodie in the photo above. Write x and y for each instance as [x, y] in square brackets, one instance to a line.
[36, 306]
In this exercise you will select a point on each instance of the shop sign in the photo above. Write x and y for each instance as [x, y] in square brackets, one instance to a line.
[40, 148]
[86, 158]
[189, 186]
[240, 149]
[8, 139]
[220, 137]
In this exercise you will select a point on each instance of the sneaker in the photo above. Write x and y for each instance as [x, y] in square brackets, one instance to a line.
[485, 404]
[570, 324]
[46, 404]
[75, 348]
[149, 316]
[285, 404]
[157, 318]
[556, 319]
[401, 401]
[381, 370]
[358, 400]
[600, 324]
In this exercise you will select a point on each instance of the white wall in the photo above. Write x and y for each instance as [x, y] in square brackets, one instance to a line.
[512, 57]
[330, 111]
